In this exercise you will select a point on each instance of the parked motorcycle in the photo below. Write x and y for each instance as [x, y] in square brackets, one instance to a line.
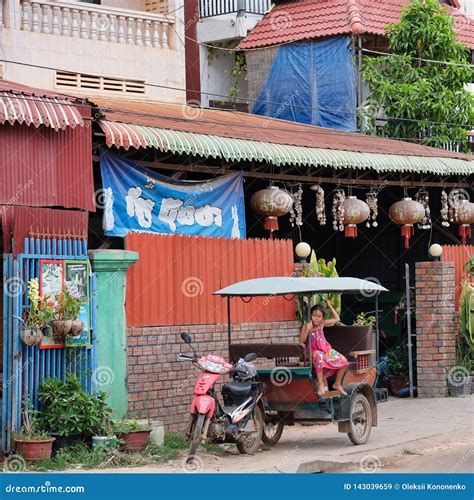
[240, 418]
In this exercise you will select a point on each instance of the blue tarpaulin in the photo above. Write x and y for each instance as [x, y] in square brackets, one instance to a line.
[137, 199]
[312, 82]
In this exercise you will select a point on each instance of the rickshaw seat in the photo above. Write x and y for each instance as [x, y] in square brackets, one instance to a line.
[347, 339]
[281, 353]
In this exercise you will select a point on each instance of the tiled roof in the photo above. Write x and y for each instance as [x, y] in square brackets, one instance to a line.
[308, 19]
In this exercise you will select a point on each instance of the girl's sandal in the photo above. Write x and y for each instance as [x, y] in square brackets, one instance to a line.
[340, 390]
[322, 390]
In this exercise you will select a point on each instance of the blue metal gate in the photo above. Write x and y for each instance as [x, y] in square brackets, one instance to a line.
[24, 367]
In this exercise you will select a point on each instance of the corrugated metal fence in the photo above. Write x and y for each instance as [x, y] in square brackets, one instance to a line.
[173, 280]
[460, 255]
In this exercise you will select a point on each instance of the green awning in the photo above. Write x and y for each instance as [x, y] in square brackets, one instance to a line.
[128, 135]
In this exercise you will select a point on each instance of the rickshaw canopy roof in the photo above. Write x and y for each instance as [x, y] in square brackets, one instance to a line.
[285, 285]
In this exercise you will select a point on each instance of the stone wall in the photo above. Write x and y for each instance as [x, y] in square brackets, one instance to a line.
[435, 326]
[160, 387]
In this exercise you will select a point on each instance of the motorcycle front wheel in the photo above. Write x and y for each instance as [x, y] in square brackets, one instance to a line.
[250, 444]
[196, 435]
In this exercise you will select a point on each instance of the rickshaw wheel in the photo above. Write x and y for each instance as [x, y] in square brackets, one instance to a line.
[360, 419]
[250, 444]
[272, 432]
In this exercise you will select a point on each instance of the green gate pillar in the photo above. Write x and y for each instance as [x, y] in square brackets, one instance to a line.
[110, 267]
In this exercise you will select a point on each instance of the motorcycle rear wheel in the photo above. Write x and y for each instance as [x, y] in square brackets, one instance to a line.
[196, 435]
[250, 444]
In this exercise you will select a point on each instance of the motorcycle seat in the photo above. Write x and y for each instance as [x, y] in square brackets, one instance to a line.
[238, 389]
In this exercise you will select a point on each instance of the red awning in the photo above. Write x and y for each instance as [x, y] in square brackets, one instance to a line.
[25, 105]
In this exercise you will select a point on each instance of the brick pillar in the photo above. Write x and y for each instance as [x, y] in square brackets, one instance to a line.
[435, 326]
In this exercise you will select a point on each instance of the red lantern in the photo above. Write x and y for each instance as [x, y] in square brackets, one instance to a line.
[463, 216]
[406, 213]
[272, 202]
[355, 212]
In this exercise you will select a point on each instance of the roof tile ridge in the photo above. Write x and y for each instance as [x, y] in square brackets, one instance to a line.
[355, 18]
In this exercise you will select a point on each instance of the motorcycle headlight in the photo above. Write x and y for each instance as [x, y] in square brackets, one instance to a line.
[213, 367]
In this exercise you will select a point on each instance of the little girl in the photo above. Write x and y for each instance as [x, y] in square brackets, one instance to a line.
[326, 360]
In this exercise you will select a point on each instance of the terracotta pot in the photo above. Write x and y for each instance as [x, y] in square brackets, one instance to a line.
[135, 441]
[396, 383]
[61, 327]
[34, 451]
[77, 328]
[31, 336]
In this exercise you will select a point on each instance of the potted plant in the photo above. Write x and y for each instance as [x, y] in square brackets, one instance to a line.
[397, 368]
[66, 314]
[33, 444]
[363, 320]
[37, 317]
[134, 435]
[68, 412]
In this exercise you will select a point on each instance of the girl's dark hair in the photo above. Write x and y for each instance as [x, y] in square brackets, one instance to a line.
[318, 307]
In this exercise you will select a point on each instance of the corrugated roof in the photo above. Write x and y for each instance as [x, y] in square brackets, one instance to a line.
[31, 106]
[309, 19]
[238, 136]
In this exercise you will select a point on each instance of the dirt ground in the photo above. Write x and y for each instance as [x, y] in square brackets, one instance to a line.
[413, 435]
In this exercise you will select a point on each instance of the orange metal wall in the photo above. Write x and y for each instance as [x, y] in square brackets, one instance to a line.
[173, 280]
[460, 255]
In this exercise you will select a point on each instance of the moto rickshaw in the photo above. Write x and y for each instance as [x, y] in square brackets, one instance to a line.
[291, 388]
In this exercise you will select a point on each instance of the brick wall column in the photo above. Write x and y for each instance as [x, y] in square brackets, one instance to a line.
[435, 326]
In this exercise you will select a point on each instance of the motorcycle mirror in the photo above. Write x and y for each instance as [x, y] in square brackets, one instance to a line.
[251, 356]
[186, 337]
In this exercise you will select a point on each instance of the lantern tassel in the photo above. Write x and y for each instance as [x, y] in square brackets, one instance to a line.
[407, 232]
[270, 223]
[350, 231]
[465, 232]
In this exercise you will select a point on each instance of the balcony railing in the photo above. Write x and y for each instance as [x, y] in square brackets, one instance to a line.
[212, 8]
[96, 22]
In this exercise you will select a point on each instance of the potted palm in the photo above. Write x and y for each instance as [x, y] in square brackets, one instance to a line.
[33, 444]
[69, 413]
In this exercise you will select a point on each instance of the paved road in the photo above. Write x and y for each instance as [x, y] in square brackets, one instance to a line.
[438, 428]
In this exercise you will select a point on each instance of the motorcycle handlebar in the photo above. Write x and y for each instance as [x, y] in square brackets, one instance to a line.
[187, 357]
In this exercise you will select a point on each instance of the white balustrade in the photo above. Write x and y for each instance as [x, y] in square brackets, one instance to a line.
[96, 22]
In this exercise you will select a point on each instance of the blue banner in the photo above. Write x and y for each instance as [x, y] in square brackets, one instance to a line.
[137, 199]
[247, 486]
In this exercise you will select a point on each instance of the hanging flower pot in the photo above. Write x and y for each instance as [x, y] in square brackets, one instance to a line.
[77, 327]
[406, 213]
[61, 328]
[271, 203]
[31, 336]
[463, 216]
[355, 212]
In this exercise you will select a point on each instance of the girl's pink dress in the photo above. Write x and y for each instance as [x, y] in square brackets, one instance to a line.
[325, 358]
